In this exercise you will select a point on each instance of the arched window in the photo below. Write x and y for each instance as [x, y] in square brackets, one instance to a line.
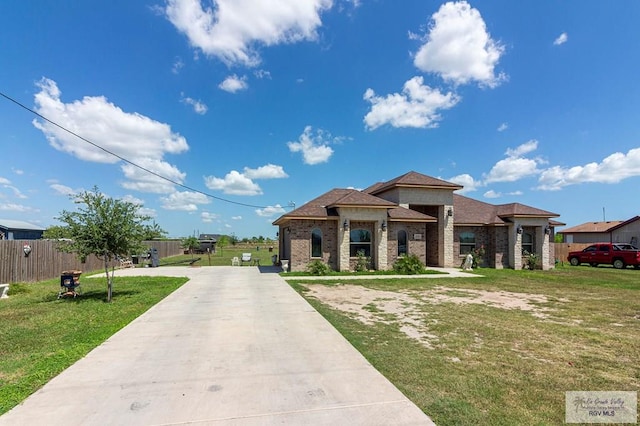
[402, 243]
[360, 241]
[467, 242]
[527, 243]
[316, 243]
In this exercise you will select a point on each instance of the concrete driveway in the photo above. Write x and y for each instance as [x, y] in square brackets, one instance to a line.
[233, 346]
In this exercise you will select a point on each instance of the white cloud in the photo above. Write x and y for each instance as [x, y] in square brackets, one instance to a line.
[132, 200]
[234, 183]
[492, 194]
[208, 217]
[562, 39]
[459, 48]
[64, 190]
[184, 201]
[16, 192]
[512, 169]
[523, 149]
[12, 207]
[103, 123]
[198, 106]
[17, 171]
[236, 217]
[467, 181]
[233, 84]
[270, 211]
[231, 30]
[515, 166]
[315, 148]
[417, 106]
[502, 127]
[613, 169]
[6, 183]
[262, 74]
[269, 171]
[141, 180]
[132, 136]
[177, 65]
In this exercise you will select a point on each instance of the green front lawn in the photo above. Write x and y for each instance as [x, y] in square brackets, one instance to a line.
[471, 358]
[40, 335]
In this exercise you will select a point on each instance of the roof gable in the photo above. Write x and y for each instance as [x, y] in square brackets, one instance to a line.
[517, 209]
[412, 179]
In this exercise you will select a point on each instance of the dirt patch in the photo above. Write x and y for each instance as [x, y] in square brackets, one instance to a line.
[407, 309]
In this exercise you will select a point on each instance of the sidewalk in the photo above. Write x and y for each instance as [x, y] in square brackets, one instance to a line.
[233, 346]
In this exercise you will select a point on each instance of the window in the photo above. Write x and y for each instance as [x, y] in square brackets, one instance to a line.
[467, 242]
[316, 243]
[527, 243]
[402, 243]
[360, 240]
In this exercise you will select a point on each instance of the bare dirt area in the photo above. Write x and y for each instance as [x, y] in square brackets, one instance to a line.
[409, 309]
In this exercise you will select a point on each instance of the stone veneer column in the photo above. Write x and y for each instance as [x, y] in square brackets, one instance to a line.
[542, 247]
[515, 248]
[382, 262]
[445, 237]
[343, 245]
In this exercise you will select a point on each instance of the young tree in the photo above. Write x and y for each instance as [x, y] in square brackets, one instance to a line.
[105, 227]
[190, 243]
[154, 232]
[56, 232]
[223, 241]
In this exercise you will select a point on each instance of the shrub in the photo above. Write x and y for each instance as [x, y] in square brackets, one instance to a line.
[408, 265]
[318, 267]
[530, 260]
[478, 256]
[362, 262]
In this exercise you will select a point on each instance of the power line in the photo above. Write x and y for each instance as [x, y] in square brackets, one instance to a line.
[126, 160]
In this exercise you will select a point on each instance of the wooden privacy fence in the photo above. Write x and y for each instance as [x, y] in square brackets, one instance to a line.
[561, 250]
[46, 262]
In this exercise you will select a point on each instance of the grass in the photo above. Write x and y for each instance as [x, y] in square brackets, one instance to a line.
[40, 335]
[492, 366]
[222, 257]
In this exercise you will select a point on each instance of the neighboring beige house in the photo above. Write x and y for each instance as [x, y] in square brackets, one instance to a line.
[412, 214]
[619, 231]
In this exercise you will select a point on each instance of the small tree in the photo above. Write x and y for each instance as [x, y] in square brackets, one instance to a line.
[222, 242]
[56, 232]
[190, 243]
[154, 232]
[105, 227]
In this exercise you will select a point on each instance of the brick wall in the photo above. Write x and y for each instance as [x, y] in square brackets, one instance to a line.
[415, 247]
[300, 238]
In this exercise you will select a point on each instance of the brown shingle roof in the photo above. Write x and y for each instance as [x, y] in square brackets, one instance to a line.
[590, 227]
[412, 179]
[360, 199]
[469, 211]
[517, 209]
[324, 206]
[403, 214]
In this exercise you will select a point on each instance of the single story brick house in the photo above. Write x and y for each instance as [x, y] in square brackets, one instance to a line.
[413, 214]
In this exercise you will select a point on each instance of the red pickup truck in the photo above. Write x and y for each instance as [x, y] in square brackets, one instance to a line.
[619, 255]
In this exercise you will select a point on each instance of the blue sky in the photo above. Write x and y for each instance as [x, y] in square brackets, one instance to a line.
[250, 106]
